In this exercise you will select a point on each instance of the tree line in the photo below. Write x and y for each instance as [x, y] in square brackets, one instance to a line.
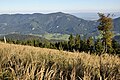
[106, 44]
[75, 43]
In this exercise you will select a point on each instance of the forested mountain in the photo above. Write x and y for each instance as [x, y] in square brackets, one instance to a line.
[49, 23]
[45, 23]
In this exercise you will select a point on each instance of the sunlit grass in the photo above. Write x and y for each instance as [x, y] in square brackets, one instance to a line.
[20, 62]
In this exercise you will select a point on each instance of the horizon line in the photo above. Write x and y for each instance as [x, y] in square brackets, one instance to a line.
[63, 11]
[48, 12]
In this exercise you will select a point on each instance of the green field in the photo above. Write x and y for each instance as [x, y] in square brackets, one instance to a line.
[56, 36]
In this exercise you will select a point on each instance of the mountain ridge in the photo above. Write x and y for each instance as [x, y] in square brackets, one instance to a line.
[58, 22]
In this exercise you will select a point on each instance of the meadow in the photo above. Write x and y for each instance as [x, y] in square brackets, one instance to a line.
[18, 62]
[56, 36]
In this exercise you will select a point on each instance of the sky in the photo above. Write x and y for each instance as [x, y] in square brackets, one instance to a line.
[46, 6]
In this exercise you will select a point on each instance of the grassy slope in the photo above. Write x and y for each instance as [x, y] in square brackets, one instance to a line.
[56, 36]
[25, 62]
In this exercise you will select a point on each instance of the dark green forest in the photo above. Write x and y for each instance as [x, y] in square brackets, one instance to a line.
[75, 43]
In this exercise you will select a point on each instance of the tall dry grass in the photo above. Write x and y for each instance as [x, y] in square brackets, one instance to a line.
[19, 62]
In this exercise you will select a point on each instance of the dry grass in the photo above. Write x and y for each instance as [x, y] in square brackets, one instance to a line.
[19, 62]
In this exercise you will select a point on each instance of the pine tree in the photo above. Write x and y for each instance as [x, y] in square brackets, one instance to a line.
[116, 46]
[65, 45]
[98, 46]
[77, 42]
[71, 42]
[83, 46]
[90, 44]
[105, 28]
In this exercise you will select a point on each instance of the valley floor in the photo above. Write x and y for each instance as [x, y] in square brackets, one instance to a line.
[20, 62]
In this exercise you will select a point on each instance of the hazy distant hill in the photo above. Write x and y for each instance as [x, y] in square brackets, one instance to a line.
[94, 15]
[117, 25]
[49, 23]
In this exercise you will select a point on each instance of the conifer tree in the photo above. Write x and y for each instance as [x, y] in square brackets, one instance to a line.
[71, 42]
[98, 46]
[116, 46]
[65, 45]
[90, 44]
[105, 28]
[77, 42]
[83, 46]
[60, 46]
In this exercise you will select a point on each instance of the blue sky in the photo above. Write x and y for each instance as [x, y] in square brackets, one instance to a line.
[31, 6]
